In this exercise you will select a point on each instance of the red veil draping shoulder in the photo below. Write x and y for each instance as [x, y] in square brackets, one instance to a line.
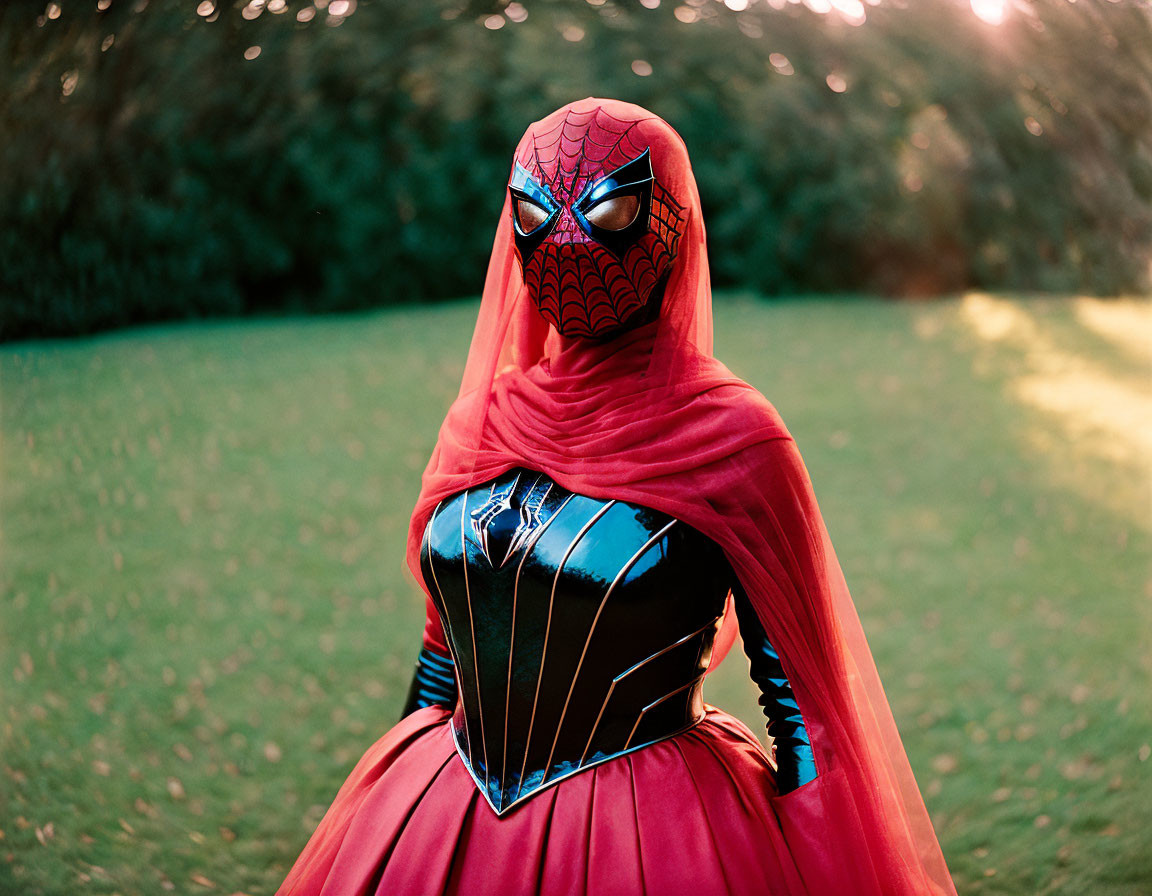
[653, 418]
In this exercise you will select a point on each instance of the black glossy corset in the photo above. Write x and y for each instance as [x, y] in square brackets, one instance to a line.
[580, 628]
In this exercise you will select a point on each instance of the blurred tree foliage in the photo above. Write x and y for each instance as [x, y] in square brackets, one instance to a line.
[173, 158]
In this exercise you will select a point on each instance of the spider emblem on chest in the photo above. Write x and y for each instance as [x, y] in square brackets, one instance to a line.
[507, 520]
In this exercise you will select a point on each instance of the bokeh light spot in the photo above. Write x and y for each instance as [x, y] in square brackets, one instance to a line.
[852, 11]
[641, 67]
[306, 14]
[251, 53]
[516, 12]
[780, 63]
[686, 14]
[836, 82]
[1034, 127]
[494, 23]
[989, 11]
[573, 33]
[206, 8]
[650, 4]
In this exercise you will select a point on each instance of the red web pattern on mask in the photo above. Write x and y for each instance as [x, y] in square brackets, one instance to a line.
[580, 287]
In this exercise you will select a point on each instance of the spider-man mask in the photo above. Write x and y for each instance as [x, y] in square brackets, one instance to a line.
[595, 231]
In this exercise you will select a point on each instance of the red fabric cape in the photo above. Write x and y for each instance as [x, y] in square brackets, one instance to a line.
[653, 419]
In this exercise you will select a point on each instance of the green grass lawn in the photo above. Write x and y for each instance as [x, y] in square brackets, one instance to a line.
[205, 619]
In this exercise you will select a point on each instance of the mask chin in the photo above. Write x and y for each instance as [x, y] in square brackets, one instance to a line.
[647, 313]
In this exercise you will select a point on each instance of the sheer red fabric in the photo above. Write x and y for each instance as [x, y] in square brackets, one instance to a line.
[652, 418]
[410, 820]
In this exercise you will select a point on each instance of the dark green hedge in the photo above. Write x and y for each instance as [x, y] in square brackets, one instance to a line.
[148, 170]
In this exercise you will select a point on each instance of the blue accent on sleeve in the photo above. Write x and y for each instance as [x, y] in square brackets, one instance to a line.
[794, 758]
[434, 683]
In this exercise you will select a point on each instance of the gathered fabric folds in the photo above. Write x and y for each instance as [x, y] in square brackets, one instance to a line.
[693, 814]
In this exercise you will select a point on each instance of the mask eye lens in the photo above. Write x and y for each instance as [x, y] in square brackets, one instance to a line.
[529, 215]
[615, 213]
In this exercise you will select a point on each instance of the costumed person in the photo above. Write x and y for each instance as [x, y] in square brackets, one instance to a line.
[605, 503]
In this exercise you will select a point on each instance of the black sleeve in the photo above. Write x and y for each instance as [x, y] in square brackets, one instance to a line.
[795, 763]
[433, 684]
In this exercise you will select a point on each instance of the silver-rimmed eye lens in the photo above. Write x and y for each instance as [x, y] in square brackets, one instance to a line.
[529, 215]
[615, 213]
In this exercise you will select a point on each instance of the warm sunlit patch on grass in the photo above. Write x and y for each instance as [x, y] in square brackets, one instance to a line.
[1089, 402]
[1127, 323]
[1091, 408]
[994, 319]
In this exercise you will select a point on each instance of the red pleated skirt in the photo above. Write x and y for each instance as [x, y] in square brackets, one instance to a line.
[695, 814]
